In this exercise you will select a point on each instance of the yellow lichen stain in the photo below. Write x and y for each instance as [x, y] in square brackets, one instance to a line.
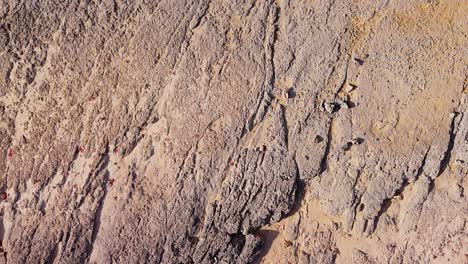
[231, 40]
[361, 29]
[284, 83]
[427, 17]
[236, 21]
[281, 100]
[256, 137]
[233, 36]
[281, 89]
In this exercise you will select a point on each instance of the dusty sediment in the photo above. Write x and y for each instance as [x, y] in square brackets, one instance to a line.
[233, 131]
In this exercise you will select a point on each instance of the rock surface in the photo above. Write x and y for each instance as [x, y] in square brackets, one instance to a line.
[234, 131]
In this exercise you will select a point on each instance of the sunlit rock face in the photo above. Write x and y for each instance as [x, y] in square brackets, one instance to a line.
[236, 131]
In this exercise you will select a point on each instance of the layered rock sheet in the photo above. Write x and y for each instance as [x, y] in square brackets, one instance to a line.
[236, 131]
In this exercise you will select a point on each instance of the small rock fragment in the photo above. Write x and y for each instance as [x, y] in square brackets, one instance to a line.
[329, 107]
[350, 87]
[342, 103]
[336, 105]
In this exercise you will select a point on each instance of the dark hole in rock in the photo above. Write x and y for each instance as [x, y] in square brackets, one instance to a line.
[358, 61]
[351, 104]
[347, 146]
[318, 139]
[291, 93]
[194, 240]
[358, 141]
[361, 207]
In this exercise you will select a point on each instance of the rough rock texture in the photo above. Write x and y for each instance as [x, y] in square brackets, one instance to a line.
[237, 131]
